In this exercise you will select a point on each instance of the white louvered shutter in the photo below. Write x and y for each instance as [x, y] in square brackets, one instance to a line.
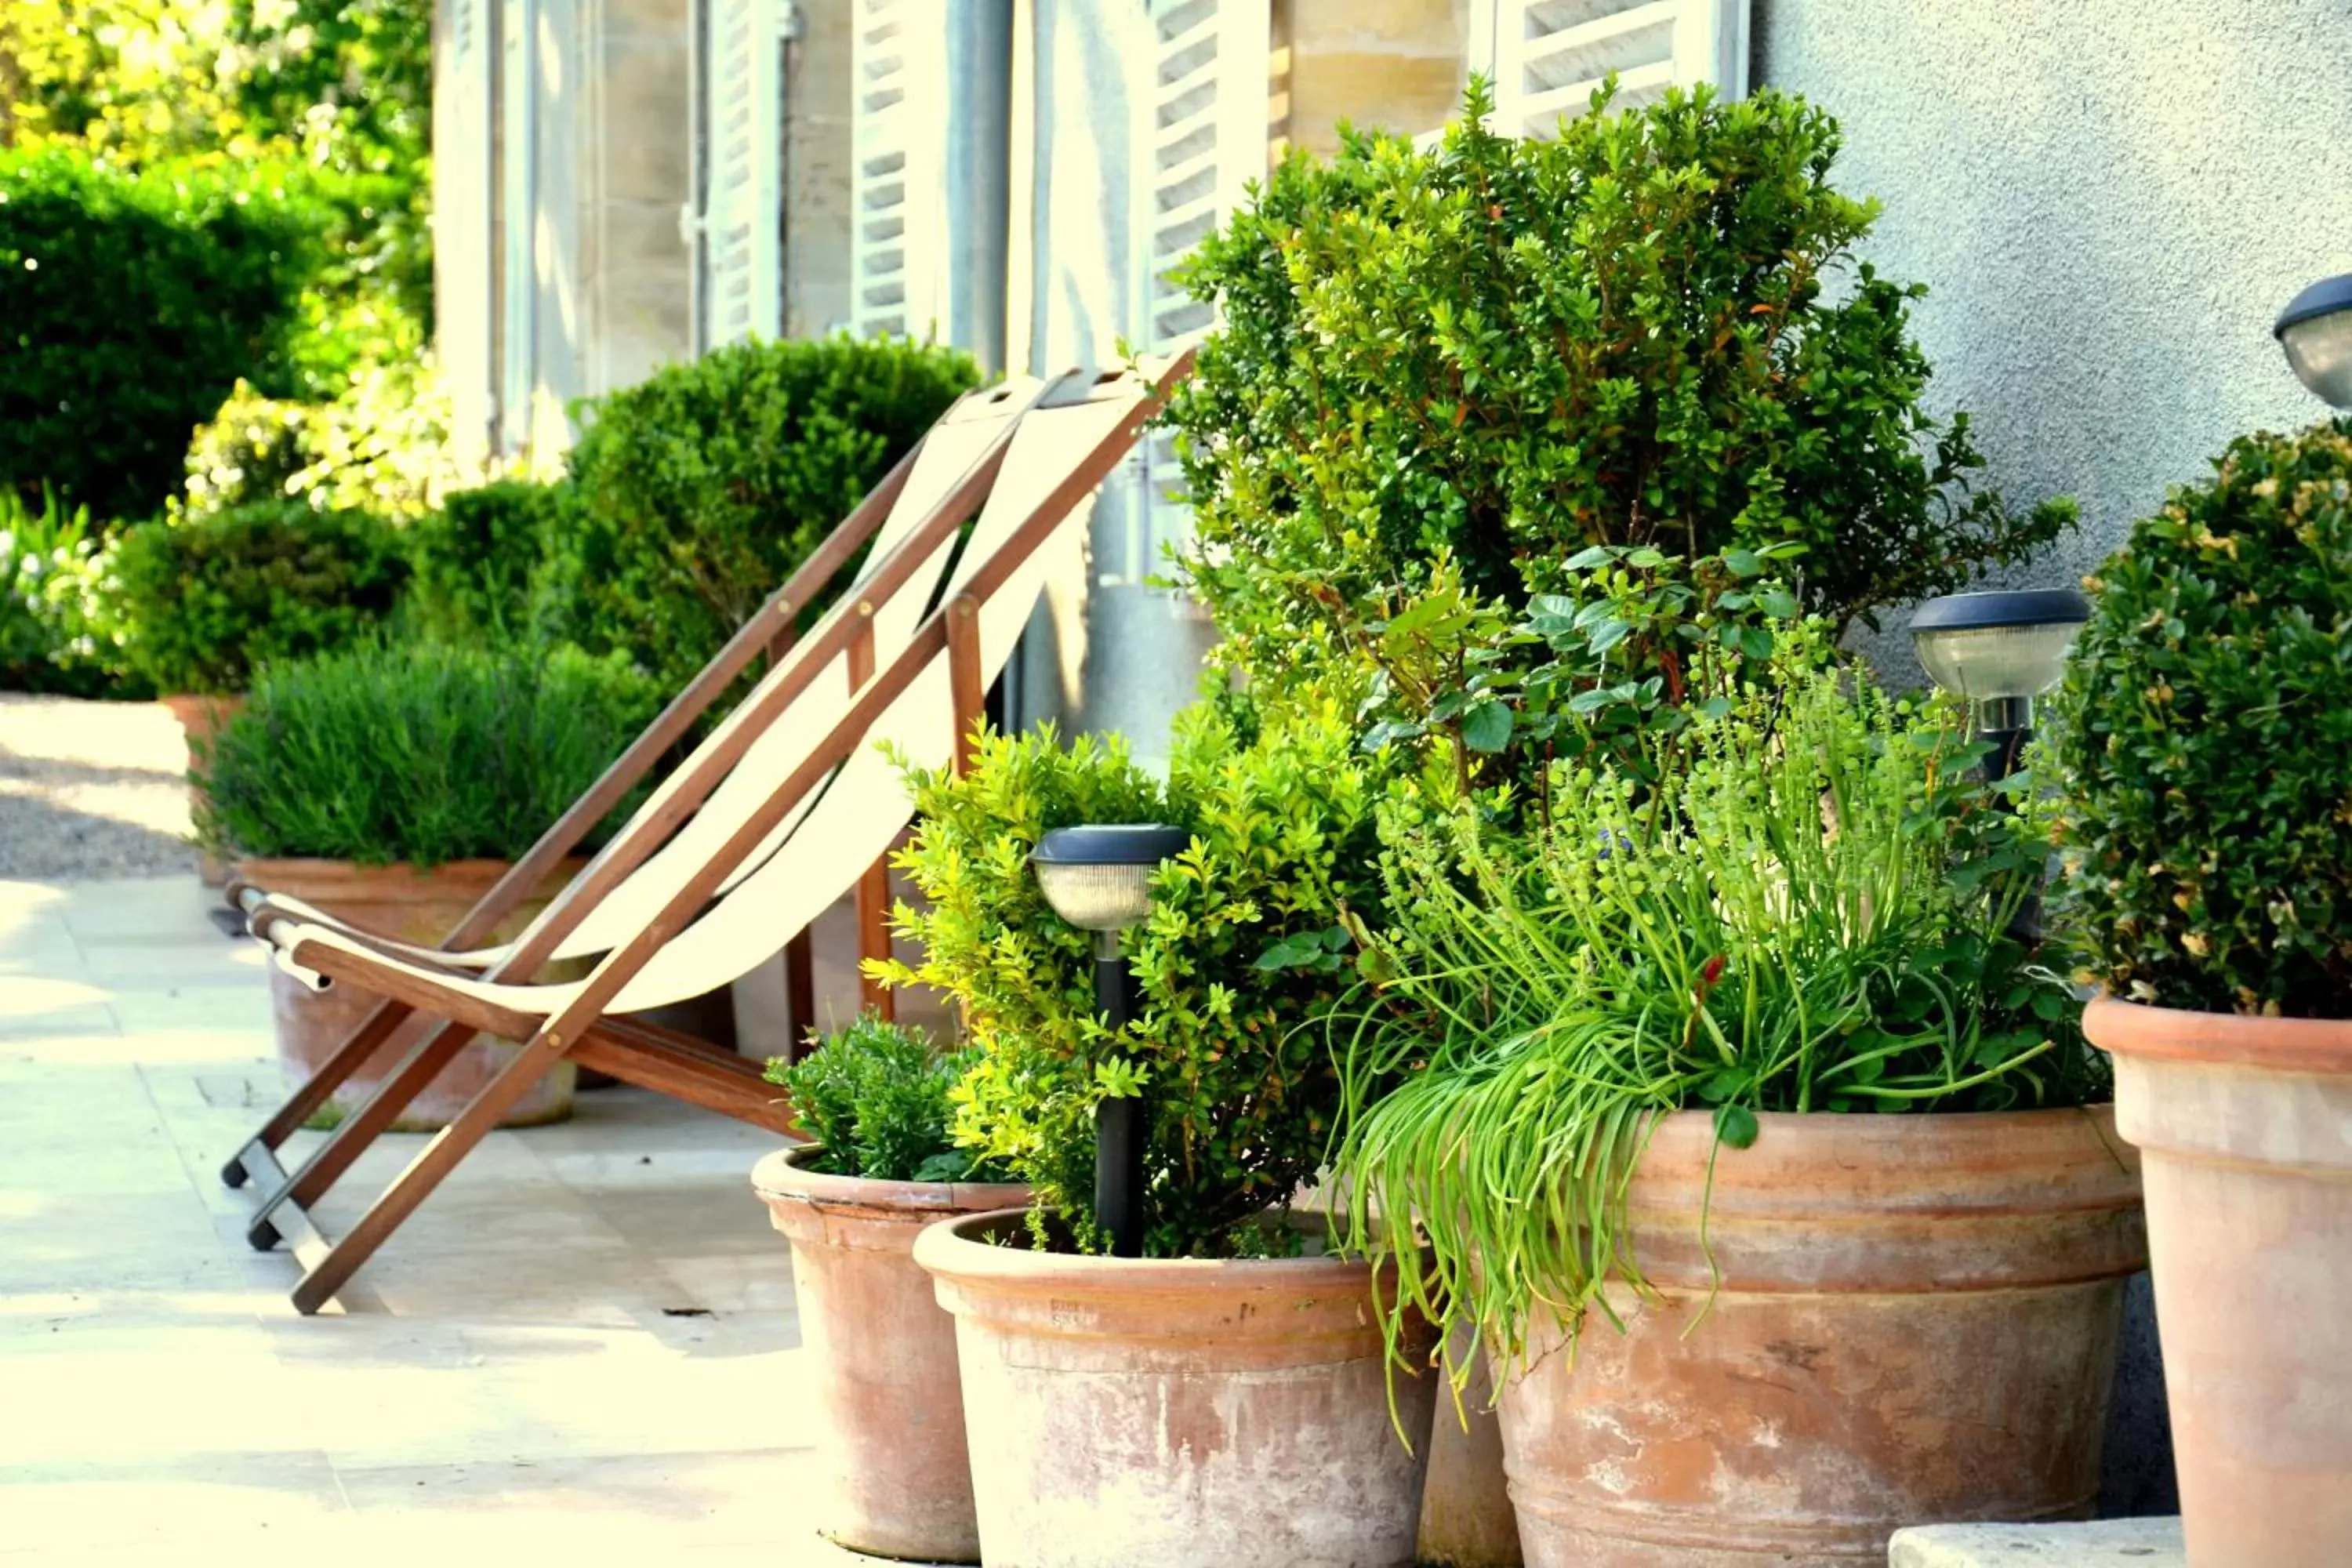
[463, 180]
[742, 224]
[1205, 138]
[518, 219]
[1546, 55]
[885, 190]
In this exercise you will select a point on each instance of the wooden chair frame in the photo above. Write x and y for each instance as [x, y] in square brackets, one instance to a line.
[637, 1053]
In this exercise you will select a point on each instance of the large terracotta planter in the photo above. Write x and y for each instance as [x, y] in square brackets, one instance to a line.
[2246, 1128]
[1130, 1412]
[201, 718]
[883, 1353]
[1916, 1323]
[1466, 1519]
[412, 906]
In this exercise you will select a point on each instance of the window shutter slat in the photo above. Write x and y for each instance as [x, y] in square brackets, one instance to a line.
[742, 220]
[1547, 57]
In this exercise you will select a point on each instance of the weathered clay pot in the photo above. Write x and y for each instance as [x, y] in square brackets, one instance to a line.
[1129, 1413]
[412, 906]
[201, 718]
[1917, 1321]
[1466, 1519]
[2246, 1128]
[883, 1353]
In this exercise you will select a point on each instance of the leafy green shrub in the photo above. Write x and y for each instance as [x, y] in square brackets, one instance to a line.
[47, 573]
[1649, 333]
[418, 752]
[129, 305]
[489, 563]
[1809, 908]
[197, 606]
[380, 446]
[2203, 731]
[704, 485]
[1238, 962]
[876, 1096]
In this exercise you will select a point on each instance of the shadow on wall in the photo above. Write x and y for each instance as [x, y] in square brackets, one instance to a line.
[2110, 205]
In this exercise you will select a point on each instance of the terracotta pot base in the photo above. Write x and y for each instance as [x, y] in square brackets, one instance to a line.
[883, 1353]
[2246, 1128]
[1178, 1413]
[1917, 1321]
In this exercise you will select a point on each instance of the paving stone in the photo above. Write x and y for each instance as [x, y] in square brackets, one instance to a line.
[2106, 1543]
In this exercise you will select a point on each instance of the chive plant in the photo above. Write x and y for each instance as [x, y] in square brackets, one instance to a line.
[1811, 909]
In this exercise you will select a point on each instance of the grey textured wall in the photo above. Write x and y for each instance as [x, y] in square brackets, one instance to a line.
[2110, 199]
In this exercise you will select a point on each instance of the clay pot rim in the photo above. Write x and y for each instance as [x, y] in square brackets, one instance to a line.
[1813, 1166]
[948, 1249]
[2321, 1046]
[782, 1178]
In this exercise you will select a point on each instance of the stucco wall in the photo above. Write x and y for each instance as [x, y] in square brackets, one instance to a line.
[2111, 200]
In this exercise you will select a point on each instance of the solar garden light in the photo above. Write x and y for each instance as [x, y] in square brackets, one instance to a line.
[2316, 330]
[2001, 651]
[1099, 880]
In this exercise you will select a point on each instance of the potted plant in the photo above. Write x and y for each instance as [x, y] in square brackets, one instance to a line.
[1585, 396]
[2203, 731]
[391, 786]
[1219, 1400]
[194, 605]
[876, 1098]
[1630, 1057]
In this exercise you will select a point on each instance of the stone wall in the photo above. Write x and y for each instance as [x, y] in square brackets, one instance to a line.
[1394, 64]
[818, 163]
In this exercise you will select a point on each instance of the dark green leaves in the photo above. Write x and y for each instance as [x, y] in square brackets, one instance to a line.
[1735, 1125]
[2204, 729]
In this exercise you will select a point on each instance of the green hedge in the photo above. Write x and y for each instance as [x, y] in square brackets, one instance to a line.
[198, 604]
[490, 564]
[128, 307]
[417, 753]
[703, 487]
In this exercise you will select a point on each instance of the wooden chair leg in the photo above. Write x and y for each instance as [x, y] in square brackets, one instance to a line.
[874, 938]
[800, 993]
[362, 1043]
[351, 1139]
[425, 1172]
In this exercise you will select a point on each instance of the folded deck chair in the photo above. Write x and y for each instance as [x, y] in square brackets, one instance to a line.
[647, 861]
[751, 881]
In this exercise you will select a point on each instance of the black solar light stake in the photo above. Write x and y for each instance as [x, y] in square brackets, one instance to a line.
[1099, 880]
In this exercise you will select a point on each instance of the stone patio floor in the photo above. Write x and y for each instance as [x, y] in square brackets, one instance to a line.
[582, 1347]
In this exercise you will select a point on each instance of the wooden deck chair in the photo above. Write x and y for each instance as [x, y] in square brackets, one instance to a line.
[655, 852]
[842, 802]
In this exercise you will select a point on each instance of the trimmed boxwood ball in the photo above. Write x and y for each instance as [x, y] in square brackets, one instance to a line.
[197, 605]
[2205, 728]
[703, 487]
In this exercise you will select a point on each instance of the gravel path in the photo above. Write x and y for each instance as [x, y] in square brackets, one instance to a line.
[90, 789]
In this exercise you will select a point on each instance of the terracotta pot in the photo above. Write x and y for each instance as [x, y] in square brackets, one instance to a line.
[201, 718]
[883, 1353]
[1466, 1519]
[1916, 1323]
[1129, 1413]
[2246, 1128]
[411, 906]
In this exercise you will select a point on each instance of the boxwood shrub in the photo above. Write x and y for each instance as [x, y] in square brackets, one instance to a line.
[704, 485]
[490, 563]
[2205, 735]
[418, 752]
[196, 605]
